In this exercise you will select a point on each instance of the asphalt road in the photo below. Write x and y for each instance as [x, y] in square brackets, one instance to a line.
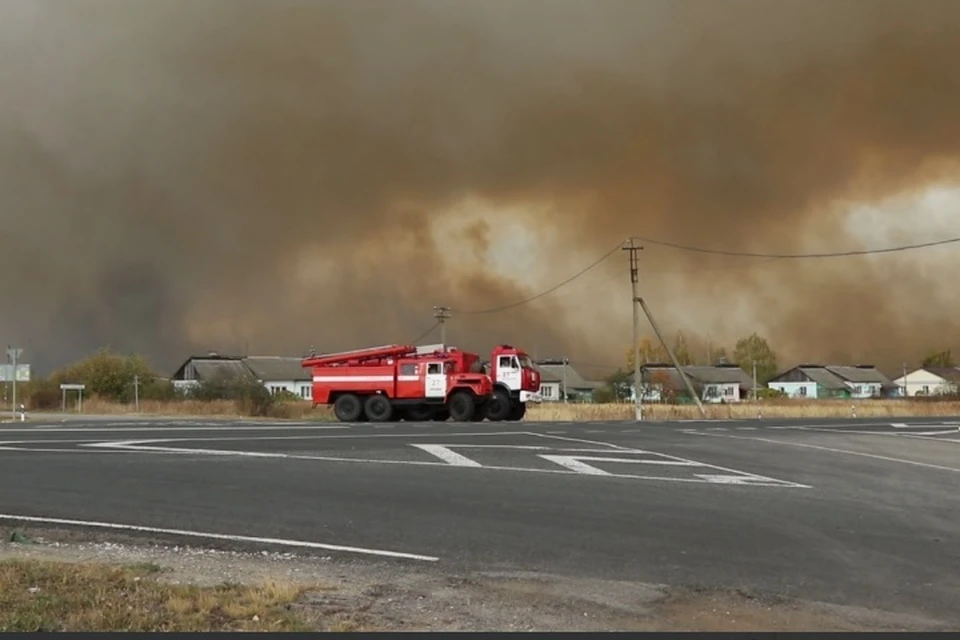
[862, 512]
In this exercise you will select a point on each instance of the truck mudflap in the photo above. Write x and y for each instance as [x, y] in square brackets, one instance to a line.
[531, 396]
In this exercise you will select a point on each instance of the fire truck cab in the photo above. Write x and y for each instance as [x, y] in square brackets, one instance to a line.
[515, 380]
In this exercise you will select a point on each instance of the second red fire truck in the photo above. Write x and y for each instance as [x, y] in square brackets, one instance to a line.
[395, 382]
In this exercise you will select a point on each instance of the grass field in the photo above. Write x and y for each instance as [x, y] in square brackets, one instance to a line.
[579, 412]
[748, 410]
[54, 596]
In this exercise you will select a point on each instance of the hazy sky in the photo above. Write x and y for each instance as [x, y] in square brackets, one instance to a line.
[193, 174]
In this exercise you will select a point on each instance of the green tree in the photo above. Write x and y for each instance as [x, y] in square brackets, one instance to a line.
[616, 387]
[682, 350]
[939, 359]
[718, 355]
[755, 349]
[650, 351]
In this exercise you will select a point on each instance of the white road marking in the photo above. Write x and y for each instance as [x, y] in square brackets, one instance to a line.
[447, 455]
[575, 465]
[899, 425]
[833, 450]
[165, 429]
[220, 536]
[146, 445]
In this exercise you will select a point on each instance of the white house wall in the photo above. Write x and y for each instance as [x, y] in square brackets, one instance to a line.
[925, 383]
[301, 389]
[795, 389]
[550, 391]
[864, 390]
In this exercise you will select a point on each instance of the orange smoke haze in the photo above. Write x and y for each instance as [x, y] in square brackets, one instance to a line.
[194, 174]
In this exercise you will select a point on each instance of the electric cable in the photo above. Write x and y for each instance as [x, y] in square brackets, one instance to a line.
[798, 256]
[426, 333]
[548, 291]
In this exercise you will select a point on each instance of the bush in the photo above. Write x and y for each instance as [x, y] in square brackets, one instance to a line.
[107, 375]
[252, 398]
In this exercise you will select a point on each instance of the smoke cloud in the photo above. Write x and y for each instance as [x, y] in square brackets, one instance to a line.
[275, 174]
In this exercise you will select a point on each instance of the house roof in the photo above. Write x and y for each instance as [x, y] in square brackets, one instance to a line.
[213, 368]
[276, 368]
[555, 373]
[840, 377]
[951, 374]
[824, 378]
[858, 374]
[702, 374]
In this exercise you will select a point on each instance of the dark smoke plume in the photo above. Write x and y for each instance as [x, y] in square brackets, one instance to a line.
[193, 174]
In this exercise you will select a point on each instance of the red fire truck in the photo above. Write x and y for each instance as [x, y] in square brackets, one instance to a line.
[515, 380]
[391, 382]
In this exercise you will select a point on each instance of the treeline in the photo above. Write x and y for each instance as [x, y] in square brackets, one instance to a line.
[121, 379]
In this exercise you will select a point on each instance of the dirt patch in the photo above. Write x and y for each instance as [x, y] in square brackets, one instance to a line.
[350, 595]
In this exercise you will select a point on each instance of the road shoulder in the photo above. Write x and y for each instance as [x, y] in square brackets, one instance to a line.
[363, 595]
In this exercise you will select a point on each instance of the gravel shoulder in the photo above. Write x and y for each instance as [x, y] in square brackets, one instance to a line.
[346, 594]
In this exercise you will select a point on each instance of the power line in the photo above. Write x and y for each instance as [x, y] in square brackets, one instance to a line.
[425, 333]
[548, 291]
[797, 256]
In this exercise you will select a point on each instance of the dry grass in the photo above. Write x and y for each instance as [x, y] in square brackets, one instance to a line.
[575, 412]
[747, 410]
[209, 409]
[53, 596]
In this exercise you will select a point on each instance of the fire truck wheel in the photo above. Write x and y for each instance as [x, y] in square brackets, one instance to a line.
[499, 406]
[348, 408]
[517, 412]
[462, 406]
[378, 408]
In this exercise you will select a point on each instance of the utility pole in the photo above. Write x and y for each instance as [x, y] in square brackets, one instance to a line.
[754, 380]
[565, 361]
[14, 354]
[905, 380]
[633, 249]
[673, 358]
[442, 314]
[136, 393]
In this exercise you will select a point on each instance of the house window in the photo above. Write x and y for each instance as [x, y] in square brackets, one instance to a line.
[803, 391]
[728, 391]
[305, 393]
[858, 390]
[546, 392]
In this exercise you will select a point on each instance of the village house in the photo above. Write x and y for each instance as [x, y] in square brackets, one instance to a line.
[929, 381]
[558, 378]
[815, 381]
[721, 383]
[276, 373]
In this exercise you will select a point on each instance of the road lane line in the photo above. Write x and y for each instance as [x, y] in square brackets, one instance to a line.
[448, 455]
[833, 450]
[572, 463]
[219, 536]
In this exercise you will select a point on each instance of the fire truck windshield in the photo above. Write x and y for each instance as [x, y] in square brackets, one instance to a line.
[526, 362]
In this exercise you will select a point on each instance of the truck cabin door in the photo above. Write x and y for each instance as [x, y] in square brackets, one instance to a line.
[435, 380]
[508, 372]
